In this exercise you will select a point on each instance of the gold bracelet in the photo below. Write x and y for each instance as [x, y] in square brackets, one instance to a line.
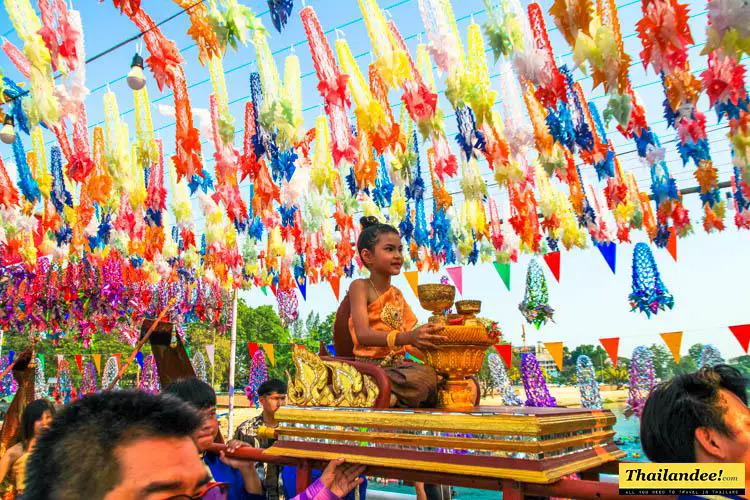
[390, 340]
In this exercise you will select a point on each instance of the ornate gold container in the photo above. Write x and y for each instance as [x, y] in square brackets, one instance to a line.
[436, 298]
[457, 359]
[469, 308]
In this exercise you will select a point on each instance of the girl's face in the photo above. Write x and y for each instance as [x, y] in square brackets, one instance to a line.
[43, 423]
[387, 257]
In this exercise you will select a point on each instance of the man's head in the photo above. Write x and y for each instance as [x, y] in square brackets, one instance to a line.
[202, 397]
[117, 446]
[698, 417]
[272, 395]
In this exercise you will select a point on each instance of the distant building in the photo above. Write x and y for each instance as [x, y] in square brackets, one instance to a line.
[542, 356]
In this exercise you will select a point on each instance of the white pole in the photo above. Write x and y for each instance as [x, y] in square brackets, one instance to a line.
[232, 352]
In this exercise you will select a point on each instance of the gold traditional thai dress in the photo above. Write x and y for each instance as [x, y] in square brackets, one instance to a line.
[414, 385]
[18, 477]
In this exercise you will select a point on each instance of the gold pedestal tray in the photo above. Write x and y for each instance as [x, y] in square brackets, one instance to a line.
[536, 445]
[457, 359]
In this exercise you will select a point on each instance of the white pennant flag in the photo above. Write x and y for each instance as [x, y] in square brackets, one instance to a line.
[210, 352]
[60, 358]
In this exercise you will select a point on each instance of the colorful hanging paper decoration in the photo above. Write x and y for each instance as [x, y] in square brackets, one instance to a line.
[710, 356]
[391, 60]
[201, 31]
[258, 375]
[8, 384]
[537, 393]
[280, 11]
[725, 82]
[88, 380]
[332, 88]
[535, 306]
[40, 381]
[288, 306]
[199, 365]
[165, 63]
[641, 381]
[64, 391]
[111, 369]
[587, 384]
[502, 381]
[443, 40]
[234, 24]
[649, 294]
[149, 376]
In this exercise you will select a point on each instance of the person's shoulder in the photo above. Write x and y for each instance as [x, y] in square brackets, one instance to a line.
[358, 284]
[15, 451]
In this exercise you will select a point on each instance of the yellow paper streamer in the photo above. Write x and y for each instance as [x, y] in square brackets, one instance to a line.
[392, 62]
[147, 151]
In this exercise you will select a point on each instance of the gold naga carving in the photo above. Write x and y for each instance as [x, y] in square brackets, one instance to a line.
[348, 388]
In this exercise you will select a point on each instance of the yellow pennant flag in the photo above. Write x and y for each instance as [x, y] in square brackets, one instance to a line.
[269, 353]
[673, 341]
[413, 278]
[97, 362]
[556, 351]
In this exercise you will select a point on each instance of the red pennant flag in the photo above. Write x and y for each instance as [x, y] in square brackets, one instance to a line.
[79, 362]
[504, 350]
[457, 275]
[273, 289]
[611, 345]
[672, 243]
[117, 356]
[742, 334]
[335, 282]
[553, 262]
[251, 348]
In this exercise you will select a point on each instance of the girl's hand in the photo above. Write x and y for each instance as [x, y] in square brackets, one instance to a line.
[425, 337]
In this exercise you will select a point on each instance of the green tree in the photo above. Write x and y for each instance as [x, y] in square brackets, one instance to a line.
[662, 360]
[695, 353]
[200, 335]
[261, 325]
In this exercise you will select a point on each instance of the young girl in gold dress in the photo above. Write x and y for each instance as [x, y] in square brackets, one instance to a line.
[382, 323]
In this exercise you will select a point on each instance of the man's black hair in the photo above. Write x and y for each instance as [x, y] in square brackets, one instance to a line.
[193, 391]
[76, 456]
[270, 386]
[31, 415]
[675, 409]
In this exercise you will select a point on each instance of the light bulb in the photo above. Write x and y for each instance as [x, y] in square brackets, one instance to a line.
[136, 78]
[8, 132]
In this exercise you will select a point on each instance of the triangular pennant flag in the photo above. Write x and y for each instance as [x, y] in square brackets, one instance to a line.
[553, 262]
[60, 357]
[79, 362]
[742, 334]
[672, 243]
[335, 282]
[269, 353]
[11, 356]
[503, 269]
[273, 289]
[251, 348]
[264, 289]
[302, 289]
[210, 351]
[457, 275]
[331, 349]
[412, 277]
[139, 359]
[97, 362]
[504, 350]
[611, 345]
[556, 351]
[609, 252]
[673, 341]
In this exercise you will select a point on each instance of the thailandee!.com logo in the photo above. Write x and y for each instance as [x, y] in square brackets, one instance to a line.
[682, 479]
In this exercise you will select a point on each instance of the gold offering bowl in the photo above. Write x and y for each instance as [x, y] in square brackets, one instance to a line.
[436, 298]
[457, 359]
[469, 308]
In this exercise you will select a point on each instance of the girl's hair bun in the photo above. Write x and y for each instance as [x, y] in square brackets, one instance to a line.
[368, 221]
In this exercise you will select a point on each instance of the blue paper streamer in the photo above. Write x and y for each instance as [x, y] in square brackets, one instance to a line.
[649, 294]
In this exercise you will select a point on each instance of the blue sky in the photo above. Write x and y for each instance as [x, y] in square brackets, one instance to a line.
[709, 281]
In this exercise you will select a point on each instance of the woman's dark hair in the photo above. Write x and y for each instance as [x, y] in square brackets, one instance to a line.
[31, 415]
[675, 409]
[372, 228]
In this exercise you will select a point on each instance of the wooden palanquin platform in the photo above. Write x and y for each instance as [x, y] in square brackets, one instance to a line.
[530, 445]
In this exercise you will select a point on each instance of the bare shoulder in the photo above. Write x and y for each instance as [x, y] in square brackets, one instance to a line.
[15, 451]
[358, 286]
